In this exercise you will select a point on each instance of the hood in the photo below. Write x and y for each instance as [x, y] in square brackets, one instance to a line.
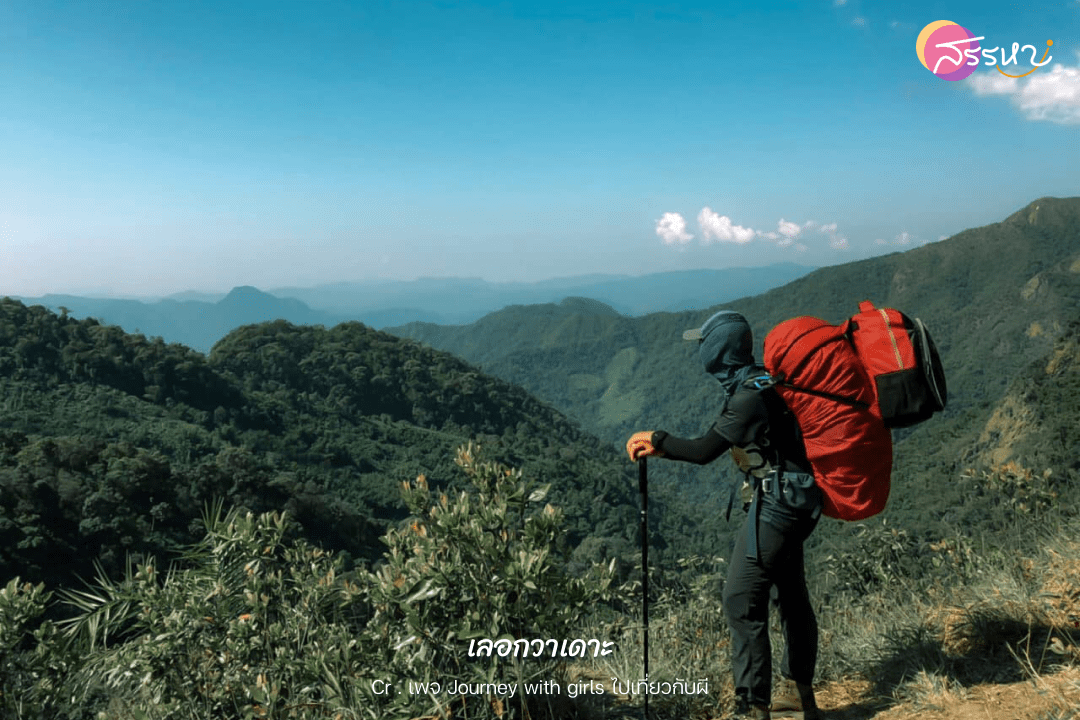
[726, 349]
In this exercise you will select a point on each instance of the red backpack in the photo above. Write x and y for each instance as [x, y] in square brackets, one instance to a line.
[847, 385]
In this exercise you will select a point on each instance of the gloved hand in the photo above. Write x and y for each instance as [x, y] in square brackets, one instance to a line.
[640, 445]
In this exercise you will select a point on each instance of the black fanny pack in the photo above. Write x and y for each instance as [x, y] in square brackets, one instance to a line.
[798, 491]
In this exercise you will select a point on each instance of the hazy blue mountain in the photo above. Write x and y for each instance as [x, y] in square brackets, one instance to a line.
[197, 324]
[463, 300]
[199, 320]
[195, 295]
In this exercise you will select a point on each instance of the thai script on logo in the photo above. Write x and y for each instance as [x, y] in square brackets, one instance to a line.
[952, 52]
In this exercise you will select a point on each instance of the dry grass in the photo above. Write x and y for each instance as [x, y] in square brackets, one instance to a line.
[1051, 697]
[1001, 642]
[1005, 647]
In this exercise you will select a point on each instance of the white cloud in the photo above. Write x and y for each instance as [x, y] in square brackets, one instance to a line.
[859, 22]
[904, 238]
[993, 83]
[836, 240]
[718, 227]
[789, 230]
[671, 228]
[1052, 96]
[839, 3]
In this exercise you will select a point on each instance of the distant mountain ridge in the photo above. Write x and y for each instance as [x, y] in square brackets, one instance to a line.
[195, 323]
[199, 320]
[462, 300]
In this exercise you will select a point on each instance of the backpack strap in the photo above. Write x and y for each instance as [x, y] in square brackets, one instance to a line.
[752, 551]
[764, 382]
[768, 484]
[760, 382]
[830, 396]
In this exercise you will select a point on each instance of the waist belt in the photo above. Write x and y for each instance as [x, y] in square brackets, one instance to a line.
[771, 484]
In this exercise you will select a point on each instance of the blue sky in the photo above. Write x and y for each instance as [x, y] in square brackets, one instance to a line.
[148, 148]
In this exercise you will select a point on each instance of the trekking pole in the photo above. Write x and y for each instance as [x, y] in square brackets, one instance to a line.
[643, 488]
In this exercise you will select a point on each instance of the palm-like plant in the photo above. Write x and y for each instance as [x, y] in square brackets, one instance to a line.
[252, 626]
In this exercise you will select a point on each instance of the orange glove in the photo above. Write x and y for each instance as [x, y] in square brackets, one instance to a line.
[640, 445]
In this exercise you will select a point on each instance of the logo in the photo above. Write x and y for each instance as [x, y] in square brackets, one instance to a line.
[952, 52]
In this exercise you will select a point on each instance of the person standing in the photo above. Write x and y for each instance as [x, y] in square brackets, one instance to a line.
[783, 504]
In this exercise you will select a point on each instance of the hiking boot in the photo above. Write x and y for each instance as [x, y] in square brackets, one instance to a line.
[745, 709]
[791, 696]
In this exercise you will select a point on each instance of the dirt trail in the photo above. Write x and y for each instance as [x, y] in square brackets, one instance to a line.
[1049, 697]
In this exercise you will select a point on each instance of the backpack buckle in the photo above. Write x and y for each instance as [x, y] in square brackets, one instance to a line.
[767, 483]
[761, 382]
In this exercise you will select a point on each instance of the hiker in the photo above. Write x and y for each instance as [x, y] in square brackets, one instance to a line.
[784, 507]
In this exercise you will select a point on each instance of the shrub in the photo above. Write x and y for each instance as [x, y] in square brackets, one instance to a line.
[33, 660]
[479, 567]
[253, 627]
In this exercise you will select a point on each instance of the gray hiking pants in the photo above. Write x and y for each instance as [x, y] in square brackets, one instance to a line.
[778, 572]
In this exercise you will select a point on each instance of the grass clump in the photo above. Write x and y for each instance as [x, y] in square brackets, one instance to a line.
[689, 644]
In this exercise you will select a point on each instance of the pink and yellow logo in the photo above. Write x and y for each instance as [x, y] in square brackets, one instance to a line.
[952, 52]
[943, 48]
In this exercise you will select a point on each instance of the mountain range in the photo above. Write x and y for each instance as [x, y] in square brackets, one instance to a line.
[462, 300]
[999, 300]
[199, 320]
[334, 414]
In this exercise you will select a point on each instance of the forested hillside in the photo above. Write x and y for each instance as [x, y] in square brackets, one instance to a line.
[996, 299]
[111, 443]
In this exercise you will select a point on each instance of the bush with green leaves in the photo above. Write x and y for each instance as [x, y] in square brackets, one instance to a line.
[479, 566]
[257, 625]
[34, 660]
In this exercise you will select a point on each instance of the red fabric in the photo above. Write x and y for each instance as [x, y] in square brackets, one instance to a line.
[849, 447]
[882, 341]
